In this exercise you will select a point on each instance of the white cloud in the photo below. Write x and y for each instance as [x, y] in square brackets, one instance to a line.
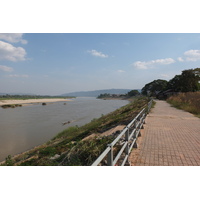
[180, 59]
[165, 61]
[140, 65]
[6, 69]
[11, 53]
[13, 37]
[98, 54]
[192, 55]
[150, 64]
[120, 71]
[19, 75]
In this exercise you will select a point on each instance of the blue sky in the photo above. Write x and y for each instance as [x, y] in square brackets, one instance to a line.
[57, 63]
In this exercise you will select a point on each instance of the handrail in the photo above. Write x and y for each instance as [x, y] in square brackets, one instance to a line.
[129, 135]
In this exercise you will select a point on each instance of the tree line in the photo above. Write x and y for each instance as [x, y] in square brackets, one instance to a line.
[129, 94]
[187, 81]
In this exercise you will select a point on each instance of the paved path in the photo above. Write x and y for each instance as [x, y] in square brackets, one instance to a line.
[170, 137]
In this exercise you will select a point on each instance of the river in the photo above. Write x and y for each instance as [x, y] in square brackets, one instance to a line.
[23, 128]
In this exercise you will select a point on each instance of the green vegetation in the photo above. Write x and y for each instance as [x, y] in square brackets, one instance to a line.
[9, 161]
[132, 93]
[188, 81]
[24, 97]
[68, 147]
[85, 152]
[189, 101]
[11, 105]
[105, 95]
[154, 86]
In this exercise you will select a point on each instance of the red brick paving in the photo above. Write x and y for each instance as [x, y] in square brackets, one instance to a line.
[171, 137]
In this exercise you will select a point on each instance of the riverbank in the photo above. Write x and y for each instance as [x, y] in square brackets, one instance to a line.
[70, 148]
[31, 125]
[31, 101]
[130, 99]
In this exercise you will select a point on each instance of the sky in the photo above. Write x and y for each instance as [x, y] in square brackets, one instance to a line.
[143, 41]
[58, 63]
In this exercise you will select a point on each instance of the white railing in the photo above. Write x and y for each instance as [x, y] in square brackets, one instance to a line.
[128, 138]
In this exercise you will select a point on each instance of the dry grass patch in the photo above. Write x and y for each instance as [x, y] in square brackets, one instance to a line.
[189, 101]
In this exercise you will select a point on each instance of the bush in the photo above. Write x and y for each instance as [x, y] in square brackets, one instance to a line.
[186, 101]
[67, 132]
[85, 152]
[9, 161]
[48, 151]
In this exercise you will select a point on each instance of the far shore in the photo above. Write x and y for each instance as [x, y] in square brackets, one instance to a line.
[118, 98]
[29, 101]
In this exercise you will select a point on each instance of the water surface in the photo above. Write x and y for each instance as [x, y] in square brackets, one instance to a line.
[23, 128]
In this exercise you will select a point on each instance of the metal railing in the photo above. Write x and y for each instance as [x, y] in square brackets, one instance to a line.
[128, 138]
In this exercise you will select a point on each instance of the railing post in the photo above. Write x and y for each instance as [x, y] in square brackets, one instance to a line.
[145, 114]
[139, 134]
[135, 145]
[140, 116]
[135, 124]
[126, 139]
[110, 155]
[142, 121]
[149, 106]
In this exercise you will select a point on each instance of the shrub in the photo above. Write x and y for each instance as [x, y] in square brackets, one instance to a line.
[189, 101]
[9, 161]
[85, 152]
[48, 151]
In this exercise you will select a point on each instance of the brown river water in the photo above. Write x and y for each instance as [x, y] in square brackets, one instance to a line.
[23, 128]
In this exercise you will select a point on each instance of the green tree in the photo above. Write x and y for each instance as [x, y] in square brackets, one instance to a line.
[103, 95]
[153, 87]
[196, 71]
[133, 93]
[188, 81]
[175, 83]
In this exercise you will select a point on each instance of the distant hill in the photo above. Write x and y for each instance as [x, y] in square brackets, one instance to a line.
[96, 93]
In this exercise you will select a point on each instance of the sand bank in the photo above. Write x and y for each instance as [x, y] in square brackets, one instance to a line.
[27, 101]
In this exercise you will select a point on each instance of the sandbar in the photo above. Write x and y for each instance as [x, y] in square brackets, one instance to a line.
[29, 101]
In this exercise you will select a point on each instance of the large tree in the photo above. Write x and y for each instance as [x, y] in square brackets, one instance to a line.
[175, 83]
[133, 93]
[153, 87]
[188, 81]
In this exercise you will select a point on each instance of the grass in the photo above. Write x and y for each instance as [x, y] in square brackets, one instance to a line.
[11, 106]
[189, 102]
[85, 152]
[69, 143]
[18, 97]
[153, 104]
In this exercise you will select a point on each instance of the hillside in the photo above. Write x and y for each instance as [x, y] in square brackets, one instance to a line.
[96, 93]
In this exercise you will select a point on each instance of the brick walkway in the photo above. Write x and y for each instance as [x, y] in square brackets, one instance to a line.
[170, 137]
